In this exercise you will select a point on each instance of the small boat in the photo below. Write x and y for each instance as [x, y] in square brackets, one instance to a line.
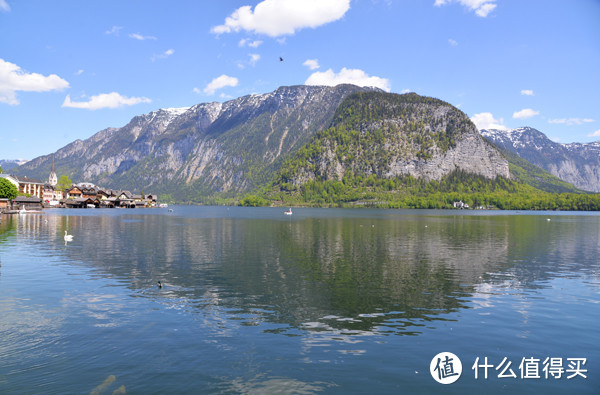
[288, 212]
[24, 211]
[163, 205]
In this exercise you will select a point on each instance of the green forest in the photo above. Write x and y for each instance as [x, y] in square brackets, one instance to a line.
[407, 192]
[357, 139]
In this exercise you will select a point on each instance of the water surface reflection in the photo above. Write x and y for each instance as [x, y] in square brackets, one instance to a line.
[255, 301]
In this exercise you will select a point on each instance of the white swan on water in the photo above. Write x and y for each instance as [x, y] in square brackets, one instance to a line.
[68, 237]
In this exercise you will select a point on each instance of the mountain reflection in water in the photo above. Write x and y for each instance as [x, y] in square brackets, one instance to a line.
[323, 277]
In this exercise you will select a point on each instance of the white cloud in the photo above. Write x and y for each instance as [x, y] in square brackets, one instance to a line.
[163, 55]
[114, 31]
[571, 121]
[138, 36]
[283, 17]
[79, 72]
[4, 6]
[251, 62]
[13, 79]
[405, 91]
[254, 58]
[481, 8]
[252, 44]
[527, 92]
[595, 134]
[485, 9]
[452, 42]
[347, 76]
[105, 100]
[220, 82]
[486, 120]
[525, 113]
[312, 64]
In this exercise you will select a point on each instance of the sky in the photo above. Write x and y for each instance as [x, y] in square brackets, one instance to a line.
[71, 68]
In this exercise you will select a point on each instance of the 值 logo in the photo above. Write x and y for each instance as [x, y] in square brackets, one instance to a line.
[445, 368]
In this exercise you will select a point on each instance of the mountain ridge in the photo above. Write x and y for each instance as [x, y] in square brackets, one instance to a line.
[575, 163]
[206, 149]
[390, 135]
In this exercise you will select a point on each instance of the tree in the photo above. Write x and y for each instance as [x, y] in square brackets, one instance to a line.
[64, 182]
[1, 171]
[7, 189]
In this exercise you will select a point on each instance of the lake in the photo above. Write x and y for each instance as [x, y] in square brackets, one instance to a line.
[324, 301]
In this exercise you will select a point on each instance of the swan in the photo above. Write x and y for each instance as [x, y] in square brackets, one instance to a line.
[68, 237]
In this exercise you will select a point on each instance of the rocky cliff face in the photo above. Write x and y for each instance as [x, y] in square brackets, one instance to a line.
[202, 150]
[390, 135]
[576, 163]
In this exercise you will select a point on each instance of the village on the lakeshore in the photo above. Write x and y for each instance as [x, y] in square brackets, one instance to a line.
[35, 194]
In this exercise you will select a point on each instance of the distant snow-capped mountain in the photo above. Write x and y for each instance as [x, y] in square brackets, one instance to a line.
[576, 163]
[8, 164]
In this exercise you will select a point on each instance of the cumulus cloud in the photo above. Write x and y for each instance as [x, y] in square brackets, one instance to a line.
[163, 55]
[452, 42]
[105, 100]
[527, 92]
[138, 36]
[595, 134]
[4, 6]
[482, 8]
[13, 79]
[283, 17]
[312, 64]
[220, 82]
[347, 76]
[486, 120]
[525, 113]
[571, 121]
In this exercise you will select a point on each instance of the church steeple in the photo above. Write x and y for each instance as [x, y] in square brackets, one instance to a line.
[53, 180]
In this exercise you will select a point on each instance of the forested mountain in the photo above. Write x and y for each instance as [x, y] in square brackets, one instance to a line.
[210, 149]
[409, 151]
[575, 163]
[304, 143]
[383, 135]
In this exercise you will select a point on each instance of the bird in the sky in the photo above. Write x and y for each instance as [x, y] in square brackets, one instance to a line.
[280, 59]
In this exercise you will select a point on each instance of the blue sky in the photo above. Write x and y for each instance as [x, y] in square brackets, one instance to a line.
[69, 69]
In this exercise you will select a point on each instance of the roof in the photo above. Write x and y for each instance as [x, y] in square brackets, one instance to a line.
[25, 180]
[25, 199]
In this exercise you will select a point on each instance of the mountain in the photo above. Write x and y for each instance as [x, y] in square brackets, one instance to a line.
[575, 163]
[9, 164]
[384, 135]
[209, 149]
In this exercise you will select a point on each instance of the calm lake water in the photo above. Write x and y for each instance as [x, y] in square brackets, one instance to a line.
[325, 301]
